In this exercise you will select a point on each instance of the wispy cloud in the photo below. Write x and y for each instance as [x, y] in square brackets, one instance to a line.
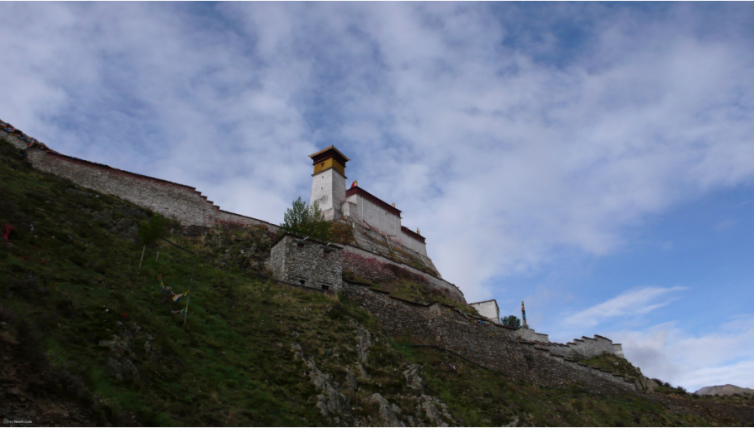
[631, 303]
[669, 352]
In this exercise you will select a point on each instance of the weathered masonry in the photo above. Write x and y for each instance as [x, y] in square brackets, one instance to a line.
[370, 265]
[307, 263]
[585, 347]
[491, 345]
[173, 200]
[530, 334]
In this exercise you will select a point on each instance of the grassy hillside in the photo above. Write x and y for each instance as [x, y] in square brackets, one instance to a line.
[88, 338]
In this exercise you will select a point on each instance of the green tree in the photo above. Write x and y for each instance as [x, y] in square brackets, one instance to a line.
[305, 220]
[511, 321]
[153, 228]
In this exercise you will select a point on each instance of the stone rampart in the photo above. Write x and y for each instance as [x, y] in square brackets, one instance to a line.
[177, 201]
[374, 241]
[370, 266]
[491, 345]
[585, 348]
[531, 335]
[306, 262]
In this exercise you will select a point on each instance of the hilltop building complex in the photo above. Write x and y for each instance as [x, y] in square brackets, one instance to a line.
[380, 247]
[356, 204]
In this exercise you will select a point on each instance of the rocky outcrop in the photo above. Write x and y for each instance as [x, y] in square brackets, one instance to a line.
[365, 342]
[351, 384]
[330, 402]
[645, 384]
[341, 402]
[387, 412]
[434, 410]
[121, 353]
[413, 379]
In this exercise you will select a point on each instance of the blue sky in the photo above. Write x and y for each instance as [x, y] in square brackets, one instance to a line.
[595, 160]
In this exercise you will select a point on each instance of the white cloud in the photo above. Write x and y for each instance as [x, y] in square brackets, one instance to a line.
[670, 353]
[630, 303]
[518, 156]
[497, 155]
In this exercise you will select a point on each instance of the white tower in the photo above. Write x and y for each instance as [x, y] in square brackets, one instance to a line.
[329, 182]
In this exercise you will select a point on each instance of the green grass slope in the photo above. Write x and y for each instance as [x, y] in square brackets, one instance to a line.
[88, 338]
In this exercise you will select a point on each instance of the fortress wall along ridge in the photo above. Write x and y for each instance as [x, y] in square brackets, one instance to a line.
[490, 345]
[176, 201]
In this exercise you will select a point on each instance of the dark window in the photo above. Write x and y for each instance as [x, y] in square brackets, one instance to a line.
[326, 286]
[303, 282]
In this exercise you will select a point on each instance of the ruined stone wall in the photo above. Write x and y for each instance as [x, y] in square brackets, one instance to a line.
[585, 348]
[308, 263]
[177, 201]
[532, 336]
[369, 265]
[579, 349]
[491, 345]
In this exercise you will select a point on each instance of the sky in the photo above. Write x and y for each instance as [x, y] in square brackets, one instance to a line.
[595, 160]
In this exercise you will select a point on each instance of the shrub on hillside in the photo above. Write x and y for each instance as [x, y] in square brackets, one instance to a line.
[511, 321]
[152, 229]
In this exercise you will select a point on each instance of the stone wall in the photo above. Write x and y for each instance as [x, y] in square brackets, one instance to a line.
[177, 201]
[532, 336]
[586, 348]
[372, 241]
[374, 267]
[306, 262]
[579, 349]
[494, 346]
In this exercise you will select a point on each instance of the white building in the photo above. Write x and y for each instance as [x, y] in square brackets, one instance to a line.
[356, 204]
[488, 309]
